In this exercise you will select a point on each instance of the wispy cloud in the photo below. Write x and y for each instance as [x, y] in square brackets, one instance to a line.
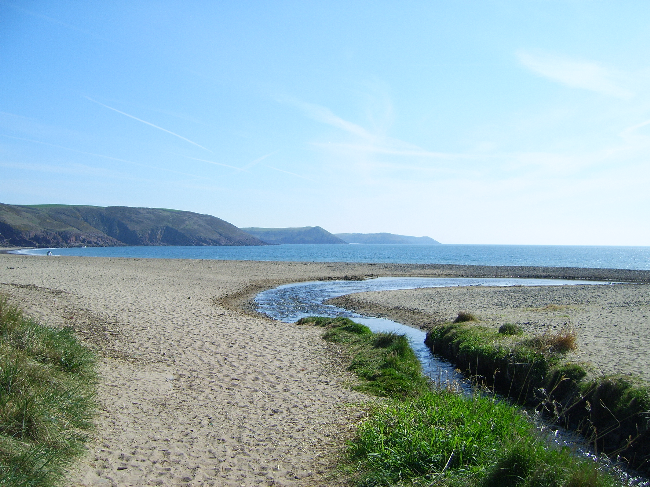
[325, 115]
[30, 127]
[398, 148]
[68, 169]
[103, 156]
[634, 128]
[587, 75]
[369, 142]
[244, 168]
[148, 123]
[372, 155]
[377, 158]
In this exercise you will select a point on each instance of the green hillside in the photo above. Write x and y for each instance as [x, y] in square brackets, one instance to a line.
[385, 238]
[76, 225]
[301, 235]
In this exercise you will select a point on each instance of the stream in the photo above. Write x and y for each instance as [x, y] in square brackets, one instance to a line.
[290, 302]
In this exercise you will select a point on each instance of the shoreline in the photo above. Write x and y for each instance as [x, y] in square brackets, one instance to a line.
[438, 270]
[196, 387]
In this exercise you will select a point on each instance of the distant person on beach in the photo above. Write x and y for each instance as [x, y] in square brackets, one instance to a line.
[49, 252]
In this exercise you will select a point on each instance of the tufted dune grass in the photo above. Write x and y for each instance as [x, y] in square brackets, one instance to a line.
[47, 399]
[611, 412]
[422, 435]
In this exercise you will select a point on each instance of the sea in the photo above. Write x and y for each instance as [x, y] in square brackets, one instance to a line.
[597, 257]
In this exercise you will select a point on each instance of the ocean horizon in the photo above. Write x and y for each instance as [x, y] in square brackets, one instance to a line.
[583, 256]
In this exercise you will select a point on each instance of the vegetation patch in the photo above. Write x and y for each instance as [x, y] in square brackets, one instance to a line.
[47, 399]
[500, 361]
[433, 436]
[554, 343]
[611, 412]
[384, 362]
[464, 316]
[510, 329]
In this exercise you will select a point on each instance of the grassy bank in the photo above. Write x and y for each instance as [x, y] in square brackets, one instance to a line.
[47, 390]
[426, 436]
[611, 412]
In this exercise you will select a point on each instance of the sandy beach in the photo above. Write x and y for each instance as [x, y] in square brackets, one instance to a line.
[197, 389]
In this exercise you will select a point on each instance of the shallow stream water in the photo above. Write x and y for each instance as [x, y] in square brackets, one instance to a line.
[290, 302]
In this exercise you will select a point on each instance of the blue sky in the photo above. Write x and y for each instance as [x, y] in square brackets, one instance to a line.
[478, 122]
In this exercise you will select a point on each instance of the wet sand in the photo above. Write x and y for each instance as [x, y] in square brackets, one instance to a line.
[196, 388]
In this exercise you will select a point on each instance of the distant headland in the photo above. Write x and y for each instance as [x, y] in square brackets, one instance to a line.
[385, 238]
[95, 226]
[76, 226]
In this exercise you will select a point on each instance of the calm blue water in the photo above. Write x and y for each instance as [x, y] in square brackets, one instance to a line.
[512, 255]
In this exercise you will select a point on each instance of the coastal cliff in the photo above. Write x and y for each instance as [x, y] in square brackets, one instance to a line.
[77, 225]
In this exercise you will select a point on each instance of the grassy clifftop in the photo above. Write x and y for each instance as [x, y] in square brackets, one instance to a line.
[385, 238]
[76, 225]
[300, 235]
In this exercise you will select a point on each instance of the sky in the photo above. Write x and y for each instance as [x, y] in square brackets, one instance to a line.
[471, 122]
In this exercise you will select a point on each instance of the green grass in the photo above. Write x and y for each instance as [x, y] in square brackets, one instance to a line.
[610, 412]
[444, 438]
[431, 436]
[384, 362]
[509, 363]
[47, 399]
[510, 329]
[465, 316]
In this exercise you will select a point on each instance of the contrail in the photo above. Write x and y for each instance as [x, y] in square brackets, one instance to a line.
[288, 172]
[635, 127]
[210, 162]
[149, 123]
[257, 161]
